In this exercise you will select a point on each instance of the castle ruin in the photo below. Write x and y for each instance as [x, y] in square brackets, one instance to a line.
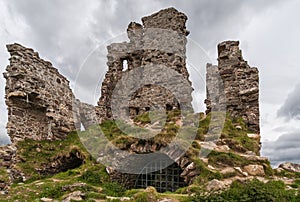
[41, 104]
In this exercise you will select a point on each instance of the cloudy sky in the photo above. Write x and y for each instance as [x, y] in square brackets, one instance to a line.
[66, 32]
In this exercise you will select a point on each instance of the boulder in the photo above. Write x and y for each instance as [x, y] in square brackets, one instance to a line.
[215, 185]
[292, 167]
[74, 196]
[46, 199]
[253, 136]
[255, 170]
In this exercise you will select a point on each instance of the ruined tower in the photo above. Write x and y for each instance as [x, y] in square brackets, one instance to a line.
[160, 41]
[240, 84]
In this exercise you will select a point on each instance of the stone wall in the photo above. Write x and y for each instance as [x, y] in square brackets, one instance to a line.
[38, 98]
[41, 106]
[156, 77]
[160, 41]
[86, 114]
[240, 84]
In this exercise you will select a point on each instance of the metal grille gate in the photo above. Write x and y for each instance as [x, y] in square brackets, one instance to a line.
[163, 179]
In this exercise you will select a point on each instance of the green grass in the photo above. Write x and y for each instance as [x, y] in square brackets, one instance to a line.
[205, 174]
[4, 175]
[149, 194]
[113, 189]
[288, 174]
[251, 191]
[87, 144]
[296, 184]
[220, 159]
[97, 185]
[237, 139]
[37, 155]
[94, 175]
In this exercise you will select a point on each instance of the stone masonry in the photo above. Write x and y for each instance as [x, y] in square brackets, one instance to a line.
[161, 40]
[41, 105]
[38, 98]
[156, 56]
[240, 83]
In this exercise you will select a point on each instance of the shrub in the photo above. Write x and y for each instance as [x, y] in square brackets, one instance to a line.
[252, 191]
[94, 175]
[52, 192]
[229, 159]
[113, 189]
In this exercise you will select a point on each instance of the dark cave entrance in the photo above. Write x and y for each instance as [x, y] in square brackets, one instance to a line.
[166, 178]
[63, 163]
[74, 160]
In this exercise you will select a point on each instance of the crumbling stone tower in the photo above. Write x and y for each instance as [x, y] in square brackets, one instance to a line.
[240, 83]
[161, 40]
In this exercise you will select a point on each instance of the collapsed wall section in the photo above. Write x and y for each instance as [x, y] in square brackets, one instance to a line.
[41, 106]
[240, 83]
[6, 160]
[38, 98]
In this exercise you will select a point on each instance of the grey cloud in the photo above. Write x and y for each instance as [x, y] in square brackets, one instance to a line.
[59, 30]
[291, 107]
[285, 149]
[65, 32]
[211, 22]
[4, 139]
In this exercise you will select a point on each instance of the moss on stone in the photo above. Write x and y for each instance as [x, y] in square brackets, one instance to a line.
[4, 177]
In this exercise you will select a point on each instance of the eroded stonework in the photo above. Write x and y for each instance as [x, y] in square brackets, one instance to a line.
[40, 103]
[156, 78]
[160, 41]
[42, 106]
[38, 98]
[238, 81]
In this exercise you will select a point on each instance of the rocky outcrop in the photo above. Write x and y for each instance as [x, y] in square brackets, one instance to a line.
[255, 170]
[238, 81]
[291, 167]
[6, 160]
